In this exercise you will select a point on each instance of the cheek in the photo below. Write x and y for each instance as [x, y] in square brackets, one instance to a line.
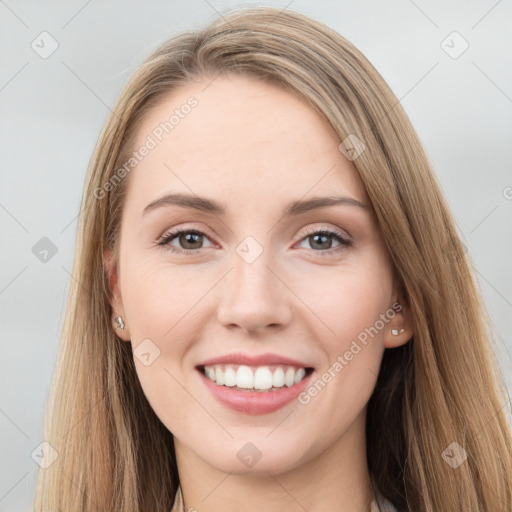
[159, 298]
[161, 303]
[350, 303]
[349, 299]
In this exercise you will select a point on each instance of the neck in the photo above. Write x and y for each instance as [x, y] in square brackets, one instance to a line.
[336, 479]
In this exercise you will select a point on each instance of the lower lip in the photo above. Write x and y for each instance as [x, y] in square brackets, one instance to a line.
[255, 402]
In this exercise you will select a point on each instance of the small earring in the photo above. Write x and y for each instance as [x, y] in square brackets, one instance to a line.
[396, 332]
[120, 322]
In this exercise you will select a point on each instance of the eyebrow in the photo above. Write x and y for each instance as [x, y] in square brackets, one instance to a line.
[210, 206]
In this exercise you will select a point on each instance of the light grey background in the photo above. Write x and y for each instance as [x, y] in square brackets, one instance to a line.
[54, 108]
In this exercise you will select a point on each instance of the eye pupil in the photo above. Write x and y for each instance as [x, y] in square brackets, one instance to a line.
[190, 238]
[323, 239]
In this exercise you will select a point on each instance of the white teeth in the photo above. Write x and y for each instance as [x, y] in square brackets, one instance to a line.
[289, 378]
[278, 378]
[299, 375]
[244, 377]
[229, 377]
[261, 378]
[219, 376]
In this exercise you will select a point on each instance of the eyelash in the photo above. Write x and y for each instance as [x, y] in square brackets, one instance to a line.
[339, 237]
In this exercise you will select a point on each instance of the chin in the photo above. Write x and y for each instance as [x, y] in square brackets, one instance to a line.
[254, 458]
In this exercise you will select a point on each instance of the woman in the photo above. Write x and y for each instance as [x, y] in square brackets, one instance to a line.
[271, 306]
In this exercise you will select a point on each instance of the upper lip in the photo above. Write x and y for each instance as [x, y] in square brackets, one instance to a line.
[254, 360]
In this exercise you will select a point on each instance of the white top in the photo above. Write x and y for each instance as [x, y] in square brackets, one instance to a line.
[385, 507]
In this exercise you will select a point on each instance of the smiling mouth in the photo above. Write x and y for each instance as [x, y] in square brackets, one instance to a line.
[255, 378]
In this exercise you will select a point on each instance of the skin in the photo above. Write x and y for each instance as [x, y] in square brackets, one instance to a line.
[255, 148]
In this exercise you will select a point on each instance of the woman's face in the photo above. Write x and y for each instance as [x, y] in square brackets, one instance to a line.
[251, 277]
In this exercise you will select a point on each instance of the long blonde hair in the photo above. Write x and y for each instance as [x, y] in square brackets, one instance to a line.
[441, 387]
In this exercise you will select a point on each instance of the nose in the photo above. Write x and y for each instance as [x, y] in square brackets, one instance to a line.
[254, 297]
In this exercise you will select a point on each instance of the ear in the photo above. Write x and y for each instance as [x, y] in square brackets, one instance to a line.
[115, 298]
[401, 323]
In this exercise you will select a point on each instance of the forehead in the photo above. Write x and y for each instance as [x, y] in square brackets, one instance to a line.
[233, 133]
